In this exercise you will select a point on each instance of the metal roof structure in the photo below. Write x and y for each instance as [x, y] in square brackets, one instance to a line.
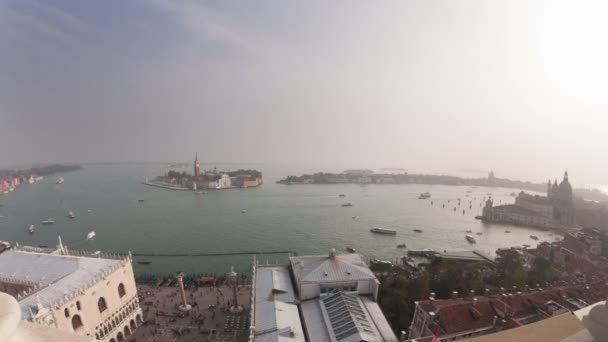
[345, 317]
[330, 268]
[276, 313]
[54, 277]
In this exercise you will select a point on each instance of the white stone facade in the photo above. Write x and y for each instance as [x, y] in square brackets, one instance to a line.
[76, 292]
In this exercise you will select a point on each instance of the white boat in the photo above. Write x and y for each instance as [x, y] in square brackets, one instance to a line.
[71, 215]
[426, 252]
[91, 235]
[244, 211]
[11, 189]
[470, 238]
[60, 180]
[31, 229]
[383, 231]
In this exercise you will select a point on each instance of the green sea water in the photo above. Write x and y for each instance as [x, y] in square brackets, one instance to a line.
[308, 219]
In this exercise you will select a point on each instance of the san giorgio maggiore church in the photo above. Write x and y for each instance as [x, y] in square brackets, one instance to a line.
[556, 210]
[50, 295]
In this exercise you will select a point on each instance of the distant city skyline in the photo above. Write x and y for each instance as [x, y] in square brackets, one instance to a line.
[516, 87]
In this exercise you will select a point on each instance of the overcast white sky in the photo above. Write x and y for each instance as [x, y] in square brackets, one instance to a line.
[519, 87]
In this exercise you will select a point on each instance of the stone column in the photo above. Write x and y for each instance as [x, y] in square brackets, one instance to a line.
[235, 308]
[184, 306]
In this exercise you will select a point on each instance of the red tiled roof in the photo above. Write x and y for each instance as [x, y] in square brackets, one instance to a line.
[460, 315]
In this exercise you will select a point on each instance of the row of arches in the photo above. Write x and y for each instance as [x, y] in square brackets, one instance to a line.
[120, 317]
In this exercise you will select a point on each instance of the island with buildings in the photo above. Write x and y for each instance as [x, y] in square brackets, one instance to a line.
[207, 180]
[10, 179]
[366, 176]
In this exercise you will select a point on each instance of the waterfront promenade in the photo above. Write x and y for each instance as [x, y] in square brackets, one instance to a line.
[209, 319]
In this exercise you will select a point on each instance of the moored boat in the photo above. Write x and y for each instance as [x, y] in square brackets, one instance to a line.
[470, 238]
[533, 237]
[48, 221]
[401, 245]
[71, 215]
[351, 250]
[31, 229]
[347, 204]
[144, 262]
[383, 231]
[418, 230]
[426, 252]
[59, 180]
[424, 195]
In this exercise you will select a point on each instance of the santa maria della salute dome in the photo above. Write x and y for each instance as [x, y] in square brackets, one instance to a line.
[556, 210]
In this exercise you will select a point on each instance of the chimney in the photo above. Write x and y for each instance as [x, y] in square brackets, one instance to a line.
[454, 294]
[494, 320]
[487, 292]
[403, 336]
[474, 301]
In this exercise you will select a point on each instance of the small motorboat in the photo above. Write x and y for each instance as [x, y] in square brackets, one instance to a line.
[354, 217]
[418, 230]
[341, 195]
[468, 231]
[351, 250]
[424, 195]
[347, 204]
[140, 200]
[91, 235]
[507, 231]
[43, 246]
[48, 221]
[144, 262]
[31, 229]
[401, 245]
[533, 237]
[243, 211]
[71, 215]
[470, 238]
[479, 233]
[526, 245]
[59, 180]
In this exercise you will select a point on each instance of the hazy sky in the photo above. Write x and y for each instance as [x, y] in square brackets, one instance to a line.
[519, 87]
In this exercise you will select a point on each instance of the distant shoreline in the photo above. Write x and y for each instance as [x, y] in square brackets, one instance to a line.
[367, 177]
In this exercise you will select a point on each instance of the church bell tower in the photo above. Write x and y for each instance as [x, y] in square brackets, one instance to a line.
[197, 166]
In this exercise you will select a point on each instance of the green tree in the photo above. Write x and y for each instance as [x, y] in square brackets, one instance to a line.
[542, 272]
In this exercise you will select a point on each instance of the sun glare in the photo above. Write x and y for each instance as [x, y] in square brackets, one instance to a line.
[570, 41]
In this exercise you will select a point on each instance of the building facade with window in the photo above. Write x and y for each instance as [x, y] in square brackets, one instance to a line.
[87, 294]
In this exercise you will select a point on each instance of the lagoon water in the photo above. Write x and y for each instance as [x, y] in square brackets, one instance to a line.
[308, 219]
